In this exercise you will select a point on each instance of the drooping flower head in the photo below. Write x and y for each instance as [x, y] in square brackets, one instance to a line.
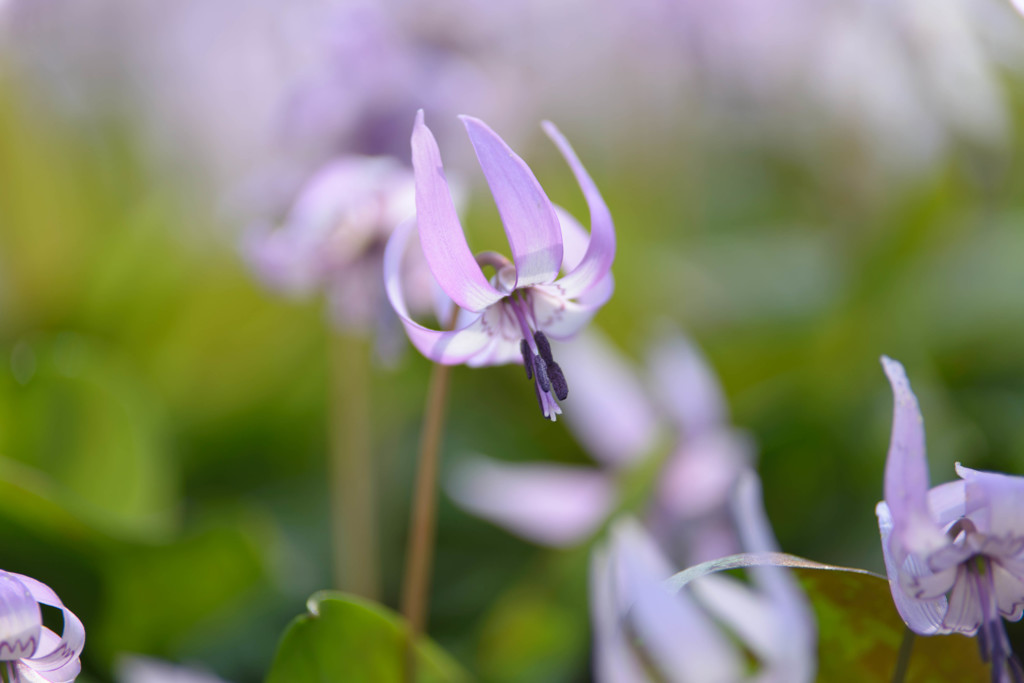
[508, 317]
[707, 631]
[955, 553]
[29, 651]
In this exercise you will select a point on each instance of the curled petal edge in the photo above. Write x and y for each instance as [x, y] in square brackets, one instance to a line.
[448, 347]
[597, 261]
[72, 638]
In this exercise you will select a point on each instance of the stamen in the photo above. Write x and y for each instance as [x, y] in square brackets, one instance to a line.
[543, 347]
[558, 383]
[542, 374]
[524, 349]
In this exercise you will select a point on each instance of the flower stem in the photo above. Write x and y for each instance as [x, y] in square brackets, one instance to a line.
[352, 480]
[899, 674]
[420, 549]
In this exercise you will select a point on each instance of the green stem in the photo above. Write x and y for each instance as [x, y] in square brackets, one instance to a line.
[899, 674]
[422, 522]
[352, 480]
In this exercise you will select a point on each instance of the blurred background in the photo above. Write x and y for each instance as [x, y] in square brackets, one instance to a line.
[801, 186]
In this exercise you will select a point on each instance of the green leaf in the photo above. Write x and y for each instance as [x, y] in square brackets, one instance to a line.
[346, 638]
[859, 634]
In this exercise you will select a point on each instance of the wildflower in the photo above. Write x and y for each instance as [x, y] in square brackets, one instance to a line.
[509, 317]
[333, 239]
[617, 421]
[954, 554]
[644, 630]
[30, 652]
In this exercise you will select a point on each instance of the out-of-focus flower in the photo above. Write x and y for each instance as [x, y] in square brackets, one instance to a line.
[618, 425]
[954, 554]
[644, 630]
[507, 318]
[333, 239]
[136, 669]
[29, 651]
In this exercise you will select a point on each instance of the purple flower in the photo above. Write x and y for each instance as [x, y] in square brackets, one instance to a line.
[508, 317]
[954, 554]
[333, 240]
[617, 423]
[645, 630]
[30, 652]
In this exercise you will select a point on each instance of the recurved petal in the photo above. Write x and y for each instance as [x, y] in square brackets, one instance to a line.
[574, 246]
[994, 501]
[554, 505]
[923, 616]
[600, 253]
[610, 414]
[20, 618]
[526, 212]
[56, 659]
[906, 469]
[446, 347]
[683, 643]
[444, 243]
[29, 671]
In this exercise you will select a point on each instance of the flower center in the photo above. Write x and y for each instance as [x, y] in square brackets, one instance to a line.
[549, 381]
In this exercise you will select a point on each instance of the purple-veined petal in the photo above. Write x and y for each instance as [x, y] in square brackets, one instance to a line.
[601, 249]
[20, 618]
[526, 212]
[684, 643]
[557, 316]
[1008, 581]
[555, 505]
[444, 243]
[610, 414]
[67, 649]
[686, 386]
[906, 471]
[446, 347]
[964, 613]
[994, 501]
[29, 670]
[921, 616]
[614, 659]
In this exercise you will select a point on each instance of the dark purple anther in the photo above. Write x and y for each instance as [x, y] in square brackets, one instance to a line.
[543, 347]
[558, 383]
[524, 349]
[542, 373]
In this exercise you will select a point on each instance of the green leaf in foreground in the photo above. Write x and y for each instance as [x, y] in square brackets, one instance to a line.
[859, 634]
[346, 638]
